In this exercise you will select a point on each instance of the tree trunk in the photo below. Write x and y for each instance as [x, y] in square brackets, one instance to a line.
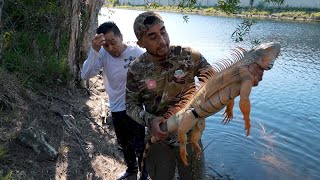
[74, 38]
[80, 36]
[251, 3]
[1, 28]
[60, 27]
[89, 25]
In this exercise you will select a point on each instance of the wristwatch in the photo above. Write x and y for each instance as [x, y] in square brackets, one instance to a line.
[196, 115]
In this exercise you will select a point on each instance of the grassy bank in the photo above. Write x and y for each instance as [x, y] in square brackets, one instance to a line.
[299, 14]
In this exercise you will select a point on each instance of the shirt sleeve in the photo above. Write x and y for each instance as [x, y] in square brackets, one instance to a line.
[91, 65]
[134, 105]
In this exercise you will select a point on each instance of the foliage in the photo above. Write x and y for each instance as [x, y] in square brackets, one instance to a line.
[152, 5]
[275, 2]
[7, 176]
[114, 2]
[212, 10]
[255, 11]
[36, 34]
[315, 15]
[3, 152]
[242, 30]
[251, 3]
[187, 3]
[229, 6]
[36, 15]
[185, 18]
[34, 60]
[35, 41]
[4, 118]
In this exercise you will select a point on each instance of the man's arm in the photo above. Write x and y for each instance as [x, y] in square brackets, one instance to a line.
[134, 104]
[91, 65]
[134, 108]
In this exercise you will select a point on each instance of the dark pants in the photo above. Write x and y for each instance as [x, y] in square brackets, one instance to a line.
[162, 160]
[130, 136]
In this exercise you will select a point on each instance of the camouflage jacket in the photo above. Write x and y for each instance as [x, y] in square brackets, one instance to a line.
[153, 87]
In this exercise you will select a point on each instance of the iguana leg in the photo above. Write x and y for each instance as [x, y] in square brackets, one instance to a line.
[228, 113]
[196, 136]
[183, 149]
[186, 123]
[244, 103]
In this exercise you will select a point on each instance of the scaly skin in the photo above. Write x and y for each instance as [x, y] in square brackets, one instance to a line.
[219, 91]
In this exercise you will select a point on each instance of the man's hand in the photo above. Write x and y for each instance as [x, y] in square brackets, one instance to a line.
[155, 128]
[98, 41]
[257, 72]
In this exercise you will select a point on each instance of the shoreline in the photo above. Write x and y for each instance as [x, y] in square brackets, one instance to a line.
[245, 14]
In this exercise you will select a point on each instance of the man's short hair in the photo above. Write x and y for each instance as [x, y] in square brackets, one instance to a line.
[144, 22]
[107, 27]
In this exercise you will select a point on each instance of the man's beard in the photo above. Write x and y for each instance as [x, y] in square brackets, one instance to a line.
[160, 56]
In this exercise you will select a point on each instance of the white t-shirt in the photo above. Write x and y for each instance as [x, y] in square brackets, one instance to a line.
[114, 72]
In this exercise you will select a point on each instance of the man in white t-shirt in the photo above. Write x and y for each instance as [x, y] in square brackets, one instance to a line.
[114, 59]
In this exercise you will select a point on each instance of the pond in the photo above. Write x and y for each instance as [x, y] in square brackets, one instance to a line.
[285, 119]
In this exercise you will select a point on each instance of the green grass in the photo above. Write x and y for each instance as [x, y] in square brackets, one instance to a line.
[255, 11]
[7, 176]
[307, 13]
[3, 152]
[35, 58]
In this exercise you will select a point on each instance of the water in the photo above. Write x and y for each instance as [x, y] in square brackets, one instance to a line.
[285, 135]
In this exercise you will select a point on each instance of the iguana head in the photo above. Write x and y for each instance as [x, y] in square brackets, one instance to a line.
[265, 54]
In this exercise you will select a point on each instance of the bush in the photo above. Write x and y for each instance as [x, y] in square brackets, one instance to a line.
[34, 41]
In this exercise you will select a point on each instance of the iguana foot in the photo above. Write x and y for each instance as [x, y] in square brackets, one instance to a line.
[247, 131]
[247, 126]
[228, 116]
[183, 155]
[228, 113]
[196, 147]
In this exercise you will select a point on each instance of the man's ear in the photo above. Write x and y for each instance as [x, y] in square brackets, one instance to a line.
[140, 43]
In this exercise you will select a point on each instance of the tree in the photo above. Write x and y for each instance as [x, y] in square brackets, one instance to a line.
[61, 32]
[54, 34]
[251, 3]
[1, 41]
[80, 35]
[229, 6]
[275, 2]
[73, 50]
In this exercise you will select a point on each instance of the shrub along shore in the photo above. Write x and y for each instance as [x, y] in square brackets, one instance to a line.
[296, 14]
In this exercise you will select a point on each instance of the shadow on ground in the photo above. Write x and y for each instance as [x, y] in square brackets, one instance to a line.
[73, 121]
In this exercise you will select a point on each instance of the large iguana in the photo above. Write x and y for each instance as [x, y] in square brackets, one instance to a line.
[219, 89]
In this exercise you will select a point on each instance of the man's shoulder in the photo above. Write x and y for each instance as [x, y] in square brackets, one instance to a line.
[133, 49]
[182, 50]
[139, 63]
[133, 46]
[181, 46]
[185, 53]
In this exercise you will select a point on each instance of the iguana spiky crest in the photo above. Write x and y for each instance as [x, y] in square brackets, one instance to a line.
[219, 87]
